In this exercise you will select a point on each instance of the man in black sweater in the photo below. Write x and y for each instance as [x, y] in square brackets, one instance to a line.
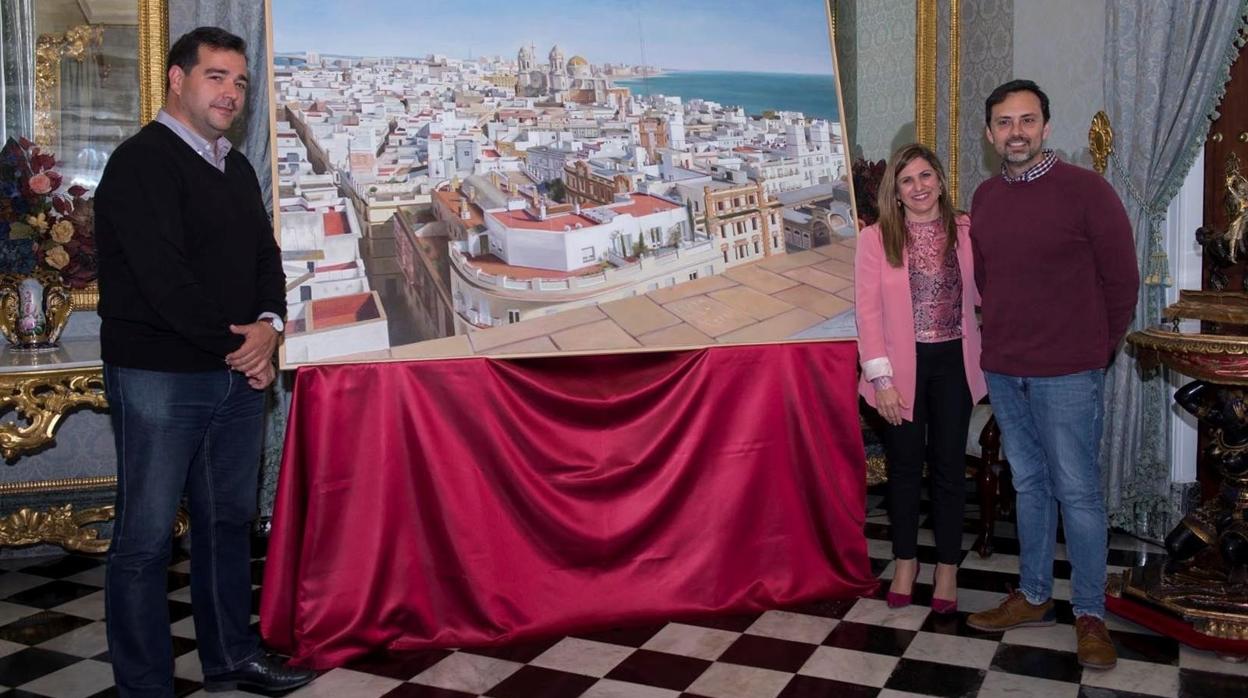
[191, 304]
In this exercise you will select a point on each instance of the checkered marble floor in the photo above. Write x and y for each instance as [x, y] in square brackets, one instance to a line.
[52, 643]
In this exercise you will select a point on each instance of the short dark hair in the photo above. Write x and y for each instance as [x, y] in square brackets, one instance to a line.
[185, 51]
[998, 96]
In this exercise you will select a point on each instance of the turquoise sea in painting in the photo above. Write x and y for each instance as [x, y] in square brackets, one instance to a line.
[813, 95]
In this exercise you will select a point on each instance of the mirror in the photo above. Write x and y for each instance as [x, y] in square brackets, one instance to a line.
[71, 71]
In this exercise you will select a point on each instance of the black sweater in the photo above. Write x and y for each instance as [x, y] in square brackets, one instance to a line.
[184, 251]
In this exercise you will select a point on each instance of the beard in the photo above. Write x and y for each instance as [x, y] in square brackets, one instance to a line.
[1029, 152]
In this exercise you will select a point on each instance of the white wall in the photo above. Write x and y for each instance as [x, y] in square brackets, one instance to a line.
[1183, 217]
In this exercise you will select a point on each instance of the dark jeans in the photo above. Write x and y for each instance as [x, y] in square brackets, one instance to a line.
[199, 434]
[942, 414]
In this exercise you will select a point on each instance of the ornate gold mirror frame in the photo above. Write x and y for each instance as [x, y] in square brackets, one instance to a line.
[52, 49]
[153, 46]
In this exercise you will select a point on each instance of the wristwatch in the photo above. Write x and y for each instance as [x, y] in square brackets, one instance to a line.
[275, 322]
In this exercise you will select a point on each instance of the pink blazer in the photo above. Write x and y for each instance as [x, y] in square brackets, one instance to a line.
[885, 316]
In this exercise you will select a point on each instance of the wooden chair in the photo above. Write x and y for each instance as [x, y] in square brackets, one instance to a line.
[991, 472]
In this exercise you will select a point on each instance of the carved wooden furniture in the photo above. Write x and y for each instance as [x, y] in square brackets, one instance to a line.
[1204, 581]
[37, 390]
[986, 463]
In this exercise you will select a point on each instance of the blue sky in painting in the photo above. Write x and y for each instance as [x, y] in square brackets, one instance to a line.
[778, 36]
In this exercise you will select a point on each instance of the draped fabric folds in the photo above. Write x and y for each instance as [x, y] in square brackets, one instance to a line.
[1166, 65]
[475, 501]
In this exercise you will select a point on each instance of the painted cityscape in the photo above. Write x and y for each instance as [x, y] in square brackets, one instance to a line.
[459, 179]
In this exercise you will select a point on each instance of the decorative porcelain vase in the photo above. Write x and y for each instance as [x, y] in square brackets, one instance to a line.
[33, 313]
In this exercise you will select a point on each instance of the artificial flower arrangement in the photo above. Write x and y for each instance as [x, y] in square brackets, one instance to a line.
[41, 229]
[867, 178]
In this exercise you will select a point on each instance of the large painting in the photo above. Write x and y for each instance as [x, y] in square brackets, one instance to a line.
[467, 178]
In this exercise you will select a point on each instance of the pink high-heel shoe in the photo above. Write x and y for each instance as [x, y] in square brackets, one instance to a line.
[941, 606]
[895, 600]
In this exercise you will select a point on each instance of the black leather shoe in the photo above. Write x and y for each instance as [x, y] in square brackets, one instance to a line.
[266, 673]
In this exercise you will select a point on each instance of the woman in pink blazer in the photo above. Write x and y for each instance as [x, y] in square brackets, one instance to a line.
[918, 342]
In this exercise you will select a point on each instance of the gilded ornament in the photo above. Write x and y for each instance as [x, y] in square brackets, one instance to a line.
[50, 50]
[72, 530]
[153, 46]
[877, 470]
[1100, 141]
[87, 298]
[41, 400]
[1204, 581]
[59, 525]
[1236, 205]
[954, 97]
[68, 484]
[926, 13]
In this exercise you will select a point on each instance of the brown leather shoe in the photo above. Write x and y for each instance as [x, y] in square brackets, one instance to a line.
[1014, 612]
[1096, 650]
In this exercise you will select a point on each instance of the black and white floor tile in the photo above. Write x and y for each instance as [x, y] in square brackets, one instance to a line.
[52, 643]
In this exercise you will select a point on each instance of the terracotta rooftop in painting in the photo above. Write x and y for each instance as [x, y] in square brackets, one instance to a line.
[786, 297]
[343, 310]
[336, 223]
[641, 205]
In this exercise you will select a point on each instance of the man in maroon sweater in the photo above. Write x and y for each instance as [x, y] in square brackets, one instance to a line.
[1055, 265]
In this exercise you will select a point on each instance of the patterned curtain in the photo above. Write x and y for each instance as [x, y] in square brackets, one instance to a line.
[1166, 65]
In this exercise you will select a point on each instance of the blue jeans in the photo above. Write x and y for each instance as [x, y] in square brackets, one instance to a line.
[200, 434]
[1051, 432]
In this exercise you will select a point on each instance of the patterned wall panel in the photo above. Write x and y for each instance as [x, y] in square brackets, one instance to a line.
[1060, 44]
[987, 60]
[885, 76]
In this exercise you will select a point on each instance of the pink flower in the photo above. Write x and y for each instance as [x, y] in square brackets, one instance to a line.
[40, 183]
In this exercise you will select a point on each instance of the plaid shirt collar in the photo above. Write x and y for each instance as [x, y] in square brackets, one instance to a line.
[1034, 172]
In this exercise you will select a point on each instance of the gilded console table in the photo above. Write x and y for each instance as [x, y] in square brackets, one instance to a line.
[37, 390]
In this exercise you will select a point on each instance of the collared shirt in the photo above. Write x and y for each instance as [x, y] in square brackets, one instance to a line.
[212, 151]
[1032, 173]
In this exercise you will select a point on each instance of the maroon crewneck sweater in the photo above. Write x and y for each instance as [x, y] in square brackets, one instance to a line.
[1055, 265]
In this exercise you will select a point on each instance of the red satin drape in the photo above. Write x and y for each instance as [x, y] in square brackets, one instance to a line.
[478, 501]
